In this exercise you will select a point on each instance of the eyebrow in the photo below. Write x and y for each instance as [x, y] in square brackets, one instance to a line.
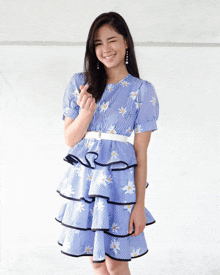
[96, 40]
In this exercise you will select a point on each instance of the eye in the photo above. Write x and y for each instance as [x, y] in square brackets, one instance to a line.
[113, 41]
[97, 44]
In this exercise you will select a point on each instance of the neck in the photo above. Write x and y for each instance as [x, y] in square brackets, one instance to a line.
[116, 74]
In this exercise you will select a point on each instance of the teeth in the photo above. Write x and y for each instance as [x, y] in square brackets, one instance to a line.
[109, 57]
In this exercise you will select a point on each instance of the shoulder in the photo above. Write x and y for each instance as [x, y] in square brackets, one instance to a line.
[142, 85]
[77, 79]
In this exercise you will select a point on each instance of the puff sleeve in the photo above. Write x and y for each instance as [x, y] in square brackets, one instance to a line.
[147, 109]
[71, 94]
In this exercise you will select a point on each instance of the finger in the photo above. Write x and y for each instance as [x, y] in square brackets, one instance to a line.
[130, 226]
[92, 102]
[93, 105]
[85, 88]
[82, 93]
[136, 233]
[84, 97]
[87, 104]
[141, 229]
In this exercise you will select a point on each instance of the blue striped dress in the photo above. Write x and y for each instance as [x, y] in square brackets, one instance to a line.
[98, 188]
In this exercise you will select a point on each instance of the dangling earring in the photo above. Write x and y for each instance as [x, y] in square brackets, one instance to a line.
[98, 65]
[126, 61]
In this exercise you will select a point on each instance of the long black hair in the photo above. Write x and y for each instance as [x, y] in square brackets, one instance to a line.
[97, 78]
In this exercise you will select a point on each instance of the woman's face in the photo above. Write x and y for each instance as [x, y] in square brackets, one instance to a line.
[110, 47]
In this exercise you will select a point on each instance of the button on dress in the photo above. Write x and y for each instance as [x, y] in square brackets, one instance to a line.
[98, 189]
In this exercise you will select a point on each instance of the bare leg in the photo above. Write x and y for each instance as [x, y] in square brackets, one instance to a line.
[117, 267]
[99, 268]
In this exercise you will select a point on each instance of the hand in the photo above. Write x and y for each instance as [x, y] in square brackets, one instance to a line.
[138, 218]
[85, 100]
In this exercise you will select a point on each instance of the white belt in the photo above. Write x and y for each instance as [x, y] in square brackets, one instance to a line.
[99, 135]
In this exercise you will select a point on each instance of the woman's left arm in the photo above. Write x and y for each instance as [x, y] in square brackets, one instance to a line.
[138, 217]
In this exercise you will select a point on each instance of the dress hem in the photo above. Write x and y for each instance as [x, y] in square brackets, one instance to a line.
[102, 261]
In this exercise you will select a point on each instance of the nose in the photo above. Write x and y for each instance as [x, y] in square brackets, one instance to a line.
[106, 48]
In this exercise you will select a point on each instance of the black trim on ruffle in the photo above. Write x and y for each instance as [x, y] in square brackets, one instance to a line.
[126, 260]
[69, 158]
[74, 199]
[105, 230]
[93, 199]
[99, 261]
[94, 196]
[111, 202]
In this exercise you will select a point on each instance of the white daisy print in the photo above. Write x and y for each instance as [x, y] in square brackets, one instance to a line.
[100, 205]
[124, 83]
[138, 105]
[109, 179]
[80, 170]
[97, 149]
[89, 143]
[111, 130]
[133, 95]
[114, 154]
[115, 246]
[102, 179]
[138, 129]
[122, 111]
[129, 188]
[76, 93]
[115, 227]
[69, 190]
[128, 130]
[75, 231]
[136, 252]
[104, 106]
[128, 207]
[88, 249]
[153, 101]
[89, 177]
[66, 109]
[80, 206]
[110, 87]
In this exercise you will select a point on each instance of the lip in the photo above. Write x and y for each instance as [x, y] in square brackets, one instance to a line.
[110, 57]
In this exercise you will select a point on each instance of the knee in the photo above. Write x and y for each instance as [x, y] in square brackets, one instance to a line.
[117, 268]
[97, 266]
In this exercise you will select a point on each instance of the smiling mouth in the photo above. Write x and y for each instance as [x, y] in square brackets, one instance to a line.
[109, 58]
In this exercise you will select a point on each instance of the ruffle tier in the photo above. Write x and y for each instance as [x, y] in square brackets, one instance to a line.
[98, 215]
[83, 183]
[91, 152]
[98, 229]
[98, 244]
[97, 204]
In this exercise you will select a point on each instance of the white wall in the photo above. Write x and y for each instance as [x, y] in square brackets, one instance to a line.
[191, 21]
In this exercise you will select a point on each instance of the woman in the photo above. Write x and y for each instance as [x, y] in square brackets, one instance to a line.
[103, 213]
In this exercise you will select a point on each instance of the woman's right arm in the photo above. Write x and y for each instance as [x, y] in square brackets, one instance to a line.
[75, 129]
